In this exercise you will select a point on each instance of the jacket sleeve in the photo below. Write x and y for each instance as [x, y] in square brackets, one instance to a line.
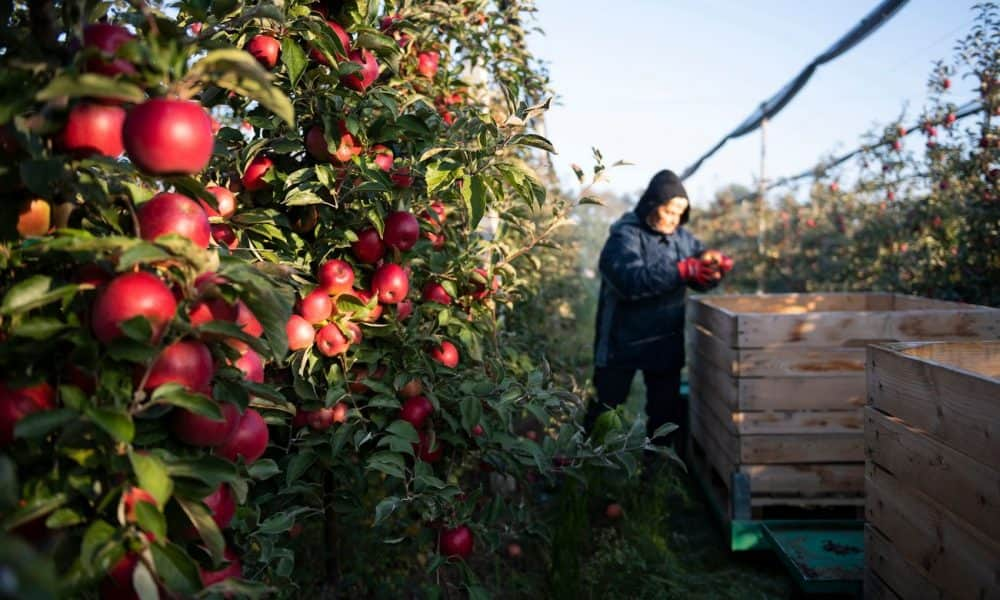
[628, 276]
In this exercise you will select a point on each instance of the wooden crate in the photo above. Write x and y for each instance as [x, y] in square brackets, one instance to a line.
[777, 384]
[932, 475]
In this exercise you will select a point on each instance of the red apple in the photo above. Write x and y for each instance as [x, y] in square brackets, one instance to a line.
[479, 290]
[331, 341]
[248, 440]
[361, 80]
[131, 497]
[169, 213]
[168, 137]
[514, 550]
[402, 177]
[222, 505]
[383, 157]
[336, 277]
[345, 41]
[369, 247]
[300, 333]
[224, 199]
[265, 49]
[613, 511]
[323, 418]
[197, 430]
[224, 235]
[252, 366]
[107, 39]
[427, 64]
[316, 144]
[401, 230]
[428, 449]
[416, 410]
[128, 296]
[253, 177]
[316, 306]
[15, 404]
[118, 584]
[366, 297]
[404, 308]
[233, 570]
[93, 129]
[34, 218]
[390, 283]
[446, 354]
[211, 309]
[478, 430]
[435, 215]
[435, 292]
[354, 334]
[457, 542]
[186, 362]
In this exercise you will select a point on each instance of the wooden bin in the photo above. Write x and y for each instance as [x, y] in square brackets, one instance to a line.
[777, 387]
[932, 474]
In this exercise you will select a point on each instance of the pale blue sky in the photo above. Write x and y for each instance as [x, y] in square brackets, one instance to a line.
[658, 82]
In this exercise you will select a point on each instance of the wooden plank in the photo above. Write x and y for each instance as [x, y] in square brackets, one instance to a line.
[714, 452]
[961, 410]
[959, 561]
[800, 362]
[808, 502]
[864, 327]
[716, 429]
[714, 352]
[719, 321]
[806, 480]
[892, 573]
[800, 393]
[787, 422]
[878, 301]
[908, 302]
[788, 449]
[790, 303]
[707, 379]
[704, 396]
[967, 488]
[978, 358]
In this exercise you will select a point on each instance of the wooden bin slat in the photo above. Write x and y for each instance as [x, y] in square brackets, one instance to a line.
[806, 480]
[889, 575]
[970, 488]
[779, 362]
[785, 449]
[959, 408]
[820, 392]
[957, 560]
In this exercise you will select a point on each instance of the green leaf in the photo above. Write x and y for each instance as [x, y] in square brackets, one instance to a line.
[26, 293]
[390, 463]
[294, 59]
[178, 571]
[474, 194]
[278, 523]
[141, 253]
[238, 71]
[144, 583]
[38, 328]
[97, 540]
[440, 174]
[153, 476]
[41, 175]
[174, 394]
[405, 430]
[663, 430]
[298, 465]
[117, 423]
[212, 470]
[205, 525]
[151, 519]
[302, 198]
[534, 141]
[591, 200]
[91, 85]
[40, 424]
[385, 508]
[472, 412]
[264, 468]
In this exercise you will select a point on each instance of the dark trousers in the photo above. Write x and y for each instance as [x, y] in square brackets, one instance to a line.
[663, 399]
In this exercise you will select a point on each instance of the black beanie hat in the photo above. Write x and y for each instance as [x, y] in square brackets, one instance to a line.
[664, 186]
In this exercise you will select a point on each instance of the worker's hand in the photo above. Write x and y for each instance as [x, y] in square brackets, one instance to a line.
[698, 272]
[717, 259]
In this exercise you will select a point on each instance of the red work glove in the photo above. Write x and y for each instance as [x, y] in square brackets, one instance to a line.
[717, 260]
[696, 271]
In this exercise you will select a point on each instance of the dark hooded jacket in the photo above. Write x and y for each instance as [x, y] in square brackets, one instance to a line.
[640, 312]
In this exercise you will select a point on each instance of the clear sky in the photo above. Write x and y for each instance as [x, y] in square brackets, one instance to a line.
[658, 82]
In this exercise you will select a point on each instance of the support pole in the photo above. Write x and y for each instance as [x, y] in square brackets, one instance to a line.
[761, 208]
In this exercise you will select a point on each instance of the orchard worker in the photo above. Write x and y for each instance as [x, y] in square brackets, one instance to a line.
[646, 264]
